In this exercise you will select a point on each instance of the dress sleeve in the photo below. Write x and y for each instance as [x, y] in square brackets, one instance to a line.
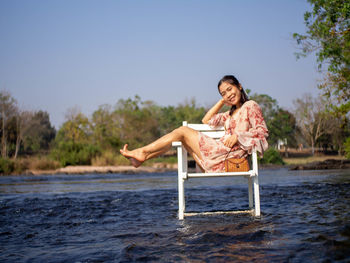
[218, 119]
[257, 132]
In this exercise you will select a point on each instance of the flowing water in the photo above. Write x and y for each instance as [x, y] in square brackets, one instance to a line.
[133, 218]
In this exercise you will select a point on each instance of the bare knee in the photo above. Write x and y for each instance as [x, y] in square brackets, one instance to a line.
[181, 132]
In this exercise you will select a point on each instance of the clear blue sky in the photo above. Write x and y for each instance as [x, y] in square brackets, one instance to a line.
[58, 54]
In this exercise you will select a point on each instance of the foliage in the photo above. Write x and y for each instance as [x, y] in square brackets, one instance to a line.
[336, 132]
[39, 133]
[311, 118]
[8, 109]
[23, 132]
[105, 129]
[328, 33]
[108, 157]
[189, 112]
[280, 123]
[76, 128]
[172, 117]
[97, 139]
[74, 153]
[137, 124]
[347, 148]
[7, 166]
[42, 163]
[72, 144]
[272, 156]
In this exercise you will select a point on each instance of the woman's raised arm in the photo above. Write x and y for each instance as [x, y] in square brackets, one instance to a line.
[215, 109]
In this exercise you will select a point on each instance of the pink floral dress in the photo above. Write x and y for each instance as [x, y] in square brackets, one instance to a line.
[249, 126]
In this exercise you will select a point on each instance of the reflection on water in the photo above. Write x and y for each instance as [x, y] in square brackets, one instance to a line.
[123, 218]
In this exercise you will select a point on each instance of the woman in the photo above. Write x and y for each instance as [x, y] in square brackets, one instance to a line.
[244, 125]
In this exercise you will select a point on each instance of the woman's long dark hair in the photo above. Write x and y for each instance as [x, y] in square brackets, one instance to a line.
[233, 81]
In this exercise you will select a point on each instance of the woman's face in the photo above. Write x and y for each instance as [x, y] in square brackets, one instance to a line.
[230, 93]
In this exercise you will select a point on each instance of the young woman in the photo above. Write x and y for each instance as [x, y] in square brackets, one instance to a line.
[244, 125]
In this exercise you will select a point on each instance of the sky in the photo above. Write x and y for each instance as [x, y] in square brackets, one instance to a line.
[61, 54]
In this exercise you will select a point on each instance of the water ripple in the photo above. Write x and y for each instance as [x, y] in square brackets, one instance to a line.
[305, 218]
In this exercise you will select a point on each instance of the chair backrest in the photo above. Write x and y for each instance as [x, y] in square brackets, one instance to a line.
[216, 133]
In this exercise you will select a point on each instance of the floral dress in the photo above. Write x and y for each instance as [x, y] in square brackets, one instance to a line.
[249, 126]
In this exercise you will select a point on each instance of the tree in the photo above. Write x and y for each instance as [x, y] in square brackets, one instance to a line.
[76, 128]
[328, 34]
[23, 120]
[190, 112]
[37, 131]
[282, 126]
[73, 143]
[137, 121]
[280, 123]
[311, 118]
[335, 134]
[104, 127]
[8, 109]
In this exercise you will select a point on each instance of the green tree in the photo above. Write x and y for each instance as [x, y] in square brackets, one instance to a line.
[136, 121]
[280, 123]
[347, 148]
[73, 143]
[167, 119]
[328, 34]
[8, 110]
[38, 133]
[170, 117]
[272, 156]
[23, 123]
[190, 112]
[282, 126]
[105, 131]
[76, 128]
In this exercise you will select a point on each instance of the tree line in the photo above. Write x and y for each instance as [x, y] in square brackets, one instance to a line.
[23, 132]
[82, 138]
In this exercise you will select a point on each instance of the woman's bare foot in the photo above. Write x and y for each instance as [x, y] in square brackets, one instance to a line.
[135, 157]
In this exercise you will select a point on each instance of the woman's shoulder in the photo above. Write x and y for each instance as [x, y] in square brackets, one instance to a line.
[250, 103]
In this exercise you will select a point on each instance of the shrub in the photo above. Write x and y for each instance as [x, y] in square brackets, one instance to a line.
[7, 166]
[21, 165]
[70, 153]
[347, 148]
[272, 156]
[109, 157]
[43, 163]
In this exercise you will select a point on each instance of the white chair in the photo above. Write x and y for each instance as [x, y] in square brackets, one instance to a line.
[183, 175]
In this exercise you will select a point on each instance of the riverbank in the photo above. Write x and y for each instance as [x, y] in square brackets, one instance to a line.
[41, 166]
[164, 167]
[89, 169]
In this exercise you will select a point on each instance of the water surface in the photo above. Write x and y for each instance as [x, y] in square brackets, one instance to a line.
[133, 218]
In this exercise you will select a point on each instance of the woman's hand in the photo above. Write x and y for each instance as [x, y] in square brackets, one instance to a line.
[231, 141]
[213, 111]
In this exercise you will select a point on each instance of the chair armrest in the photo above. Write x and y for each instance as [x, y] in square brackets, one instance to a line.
[177, 144]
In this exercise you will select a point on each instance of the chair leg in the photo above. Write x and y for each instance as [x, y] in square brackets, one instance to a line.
[250, 192]
[256, 196]
[181, 192]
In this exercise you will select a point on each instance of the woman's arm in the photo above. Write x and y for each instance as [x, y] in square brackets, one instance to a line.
[256, 136]
[213, 111]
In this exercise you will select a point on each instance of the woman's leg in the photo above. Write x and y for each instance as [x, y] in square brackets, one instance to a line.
[187, 136]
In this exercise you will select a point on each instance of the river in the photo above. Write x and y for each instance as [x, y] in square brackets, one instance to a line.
[133, 218]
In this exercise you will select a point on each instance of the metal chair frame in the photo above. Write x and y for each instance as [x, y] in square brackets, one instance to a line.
[184, 175]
